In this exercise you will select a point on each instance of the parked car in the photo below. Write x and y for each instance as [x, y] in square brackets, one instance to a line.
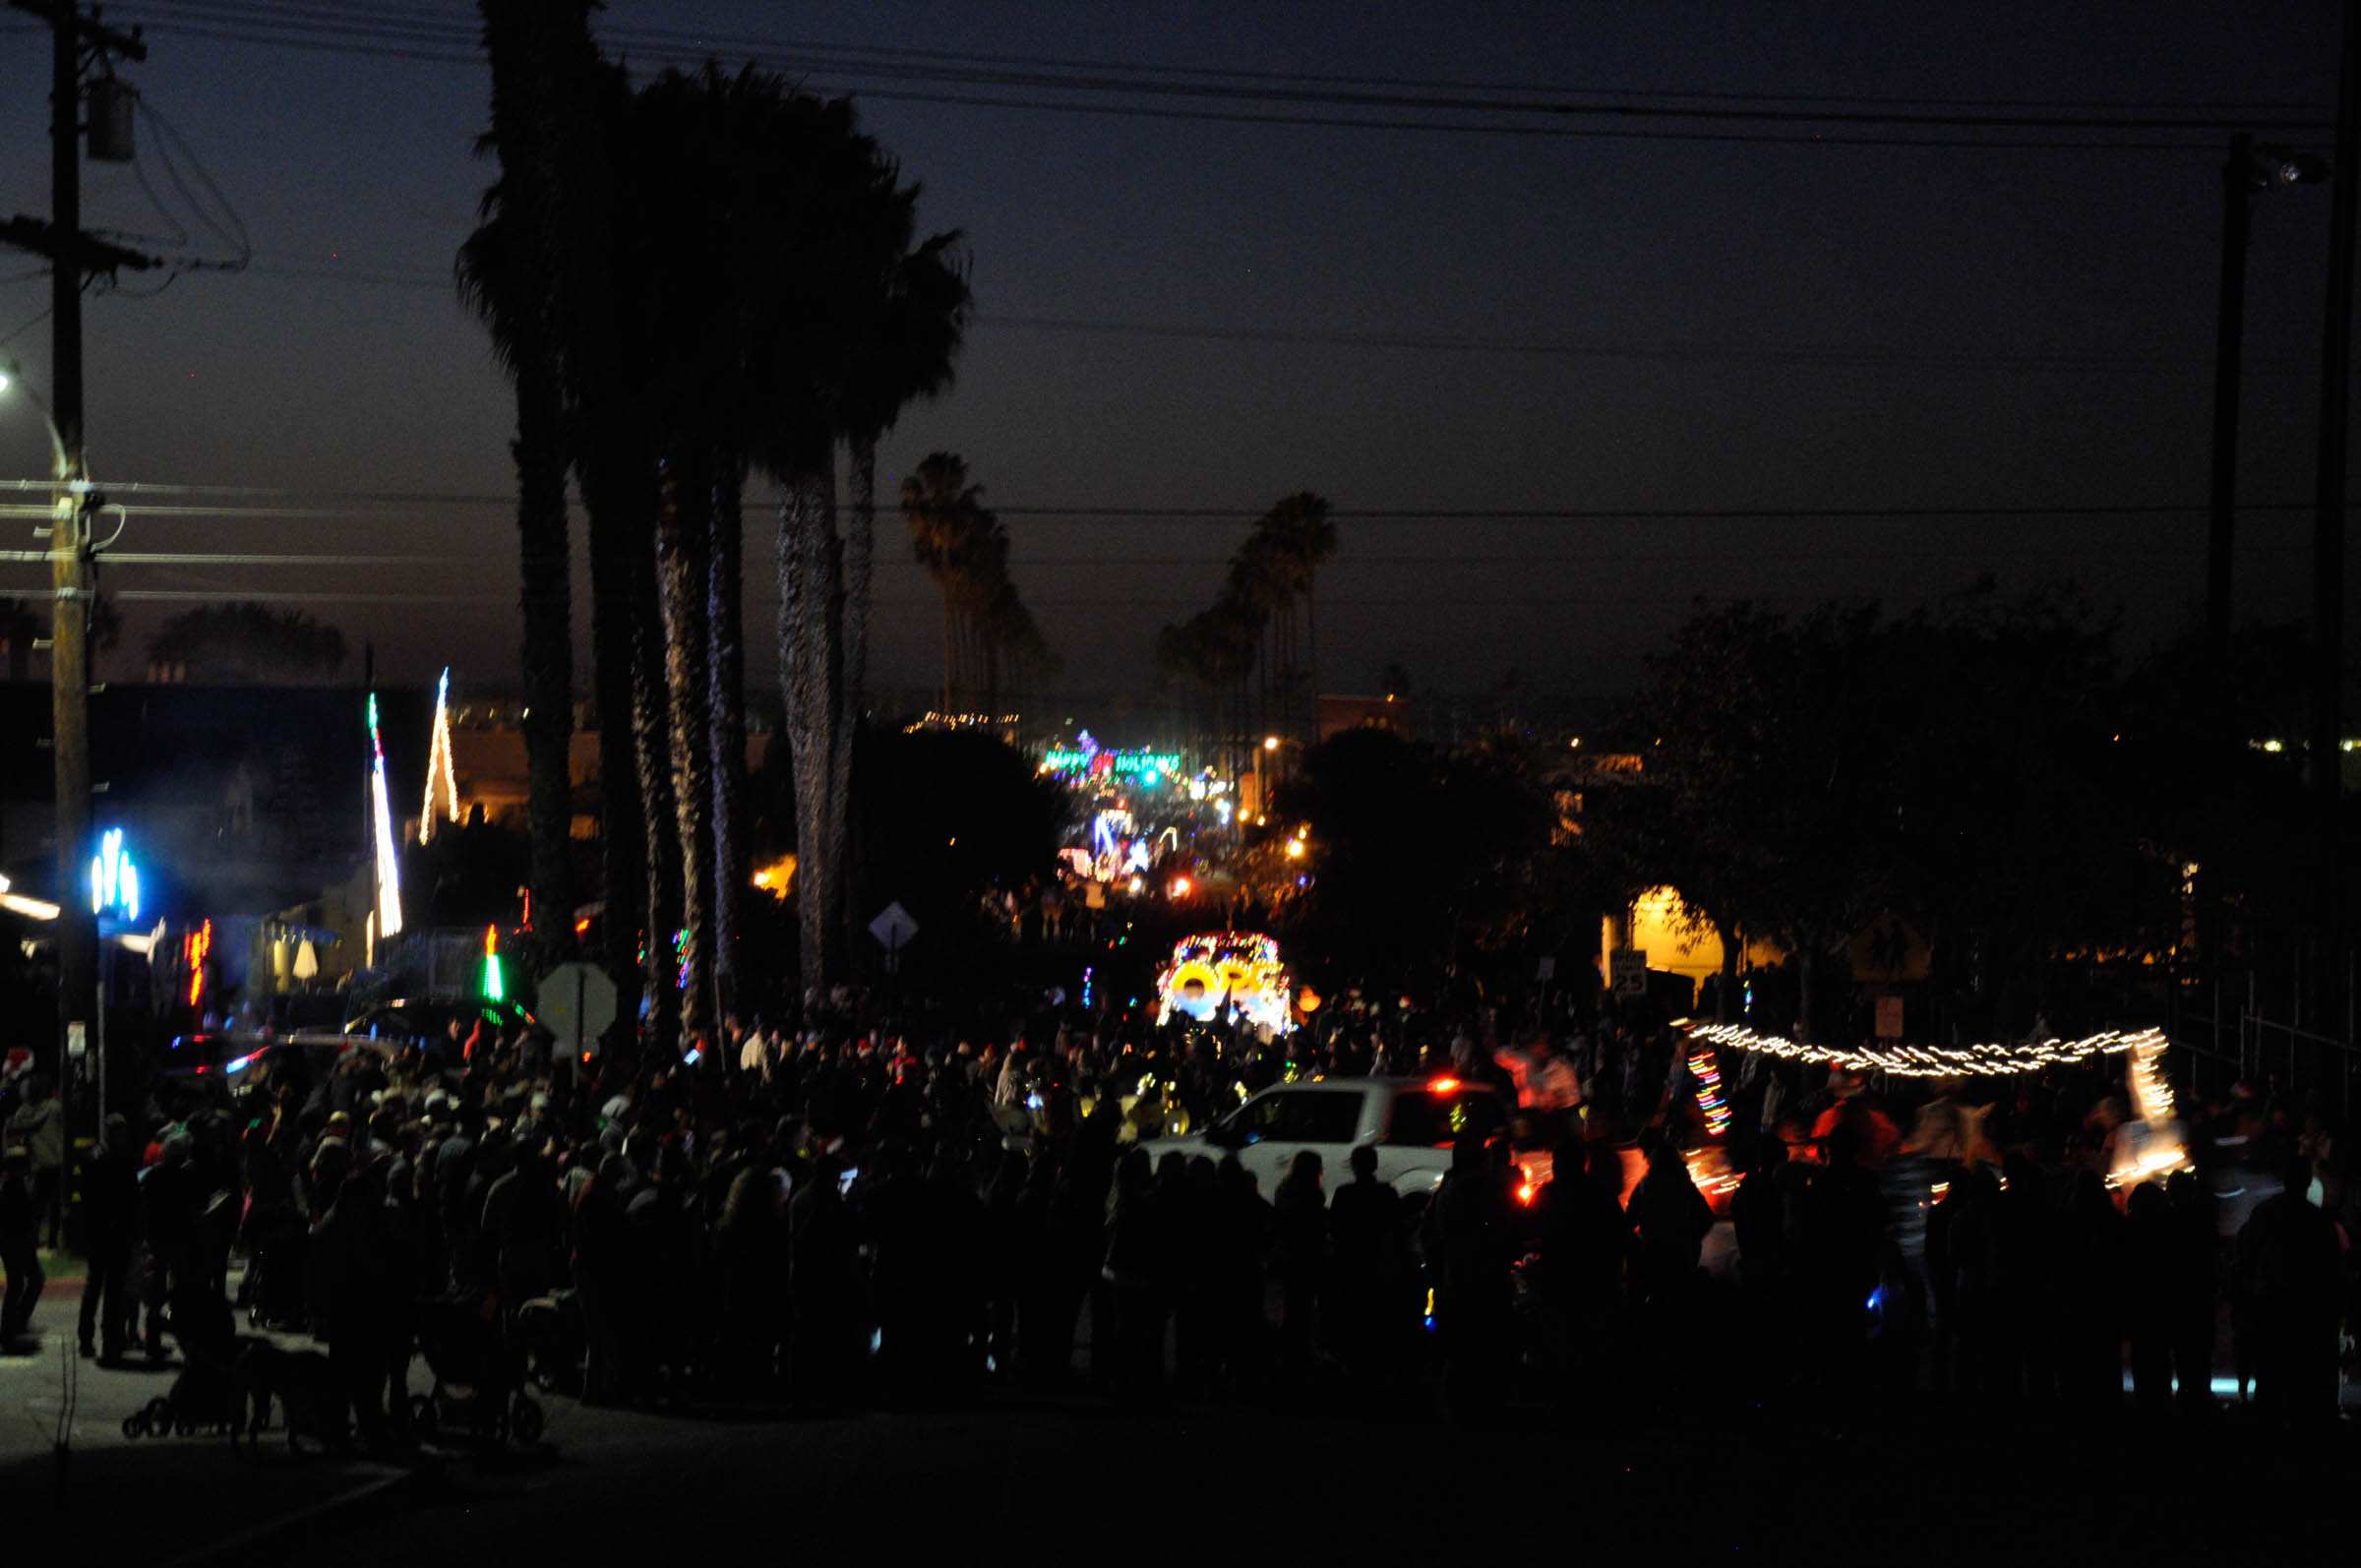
[1411, 1121]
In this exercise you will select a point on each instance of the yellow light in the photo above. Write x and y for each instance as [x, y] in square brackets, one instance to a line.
[1295, 849]
[776, 879]
[2275, 746]
[1270, 742]
[1138, 884]
[1181, 886]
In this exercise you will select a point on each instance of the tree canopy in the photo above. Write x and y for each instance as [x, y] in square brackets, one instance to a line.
[246, 644]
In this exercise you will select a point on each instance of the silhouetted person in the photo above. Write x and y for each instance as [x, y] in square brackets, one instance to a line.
[1368, 1308]
[601, 1276]
[1243, 1228]
[2090, 1295]
[1469, 1239]
[1583, 1240]
[2027, 1322]
[1973, 1222]
[19, 1246]
[2289, 1275]
[110, 1224]
[1301, 1214]
[1137, 1243]
[2194, 1289]
[823, 1288]
[1671, 1217]
[2149, 1302]
[1840, 1236]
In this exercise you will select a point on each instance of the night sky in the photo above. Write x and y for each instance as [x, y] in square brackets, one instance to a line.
[1533, 322]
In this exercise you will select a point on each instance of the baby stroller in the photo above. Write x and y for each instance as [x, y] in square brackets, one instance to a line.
[550, 1328]
[476, 1386]
[209, 1393]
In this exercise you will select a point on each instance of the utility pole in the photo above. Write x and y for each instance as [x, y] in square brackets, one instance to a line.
[2328, 527]
[2249, 171]
[2229, 334]
[72, 579]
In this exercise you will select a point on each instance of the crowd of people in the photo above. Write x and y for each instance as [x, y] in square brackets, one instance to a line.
[852, 1212]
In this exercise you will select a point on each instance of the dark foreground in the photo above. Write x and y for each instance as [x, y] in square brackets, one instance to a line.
[1075, 1480]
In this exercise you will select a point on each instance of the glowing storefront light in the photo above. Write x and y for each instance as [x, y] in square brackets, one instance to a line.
[114, 880]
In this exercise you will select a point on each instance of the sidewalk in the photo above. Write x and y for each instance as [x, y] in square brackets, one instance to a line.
[163, 1499]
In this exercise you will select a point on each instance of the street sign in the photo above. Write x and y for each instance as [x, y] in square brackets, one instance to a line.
[577, 1004]
[893, 928]
[1628, 968]
[77, 1040]
[1889, 1017]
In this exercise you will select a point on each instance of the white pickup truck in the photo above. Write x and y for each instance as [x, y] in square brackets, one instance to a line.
[1411, 1121]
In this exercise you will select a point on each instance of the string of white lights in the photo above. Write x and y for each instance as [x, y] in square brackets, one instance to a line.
[1936, 1062]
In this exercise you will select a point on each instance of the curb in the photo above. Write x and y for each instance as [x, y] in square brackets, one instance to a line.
[236, 1546]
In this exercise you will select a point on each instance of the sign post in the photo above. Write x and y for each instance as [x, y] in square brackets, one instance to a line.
[1889, 1017]
[893, 928]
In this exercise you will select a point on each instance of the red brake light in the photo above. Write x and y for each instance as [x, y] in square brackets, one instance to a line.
[1527, 1192]
[1443, 1086]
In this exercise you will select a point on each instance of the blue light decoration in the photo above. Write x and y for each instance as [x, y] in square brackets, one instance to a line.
[114, 879]
[389, 870]
[680, 954]
[1087, 973]
[495, 983]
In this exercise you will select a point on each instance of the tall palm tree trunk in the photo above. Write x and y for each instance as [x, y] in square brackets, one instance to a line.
[1311, 659]
[726, 668]
[617, 529]
[860, 564]
[652, 743]
[530, 100]
[807, 670]
[683, 545]
[546, 585]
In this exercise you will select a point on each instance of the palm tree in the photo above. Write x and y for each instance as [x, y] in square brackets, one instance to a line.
[505, 273]
[1303, 537]
[945, 512]
[868, 322]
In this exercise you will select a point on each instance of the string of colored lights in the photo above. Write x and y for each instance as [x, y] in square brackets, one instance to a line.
[438, 765]
[1707, 1071]
[2151, 1094]
[1935, 1061]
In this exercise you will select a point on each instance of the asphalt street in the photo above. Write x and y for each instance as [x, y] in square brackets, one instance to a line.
[1637, 1478]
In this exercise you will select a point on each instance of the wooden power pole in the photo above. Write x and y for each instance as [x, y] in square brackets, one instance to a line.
[72, 256]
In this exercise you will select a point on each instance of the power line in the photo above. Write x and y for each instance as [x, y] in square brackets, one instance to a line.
[1113, 77]
[2068, 362]
[444, 23]
[357, 39]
